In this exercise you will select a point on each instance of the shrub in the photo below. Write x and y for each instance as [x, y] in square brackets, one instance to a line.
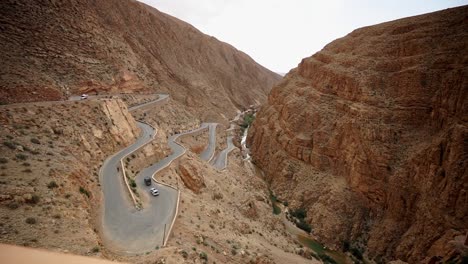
[31, 220]
[27, 170]
[233, 251]
[21, 156]
[52, 185]
[356, 252]
[35, 141]
[95, 249]
[35, 199]
[304, 226]
[3, 160]
[248, 119]
[326, 259]
[346, 246]
[203, 255]
[299, 213]
[13, 205]
[9, 144]
[84, 191]
[132, 183]
[184, 254]
[27, 164]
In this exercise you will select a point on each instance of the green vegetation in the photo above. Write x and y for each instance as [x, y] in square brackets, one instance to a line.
[3, 160]
[13, 205]
[35, 141]
[21, 156]
[34, 199]
[274, 202]
[31, 220]
[133, 183]
[248, 119]
[10, 145]
[326, 259]
[95, 249]
[301, 214]
[52, 185]
[356, 252]
[204, 256]
[84, 191]
[346, 246]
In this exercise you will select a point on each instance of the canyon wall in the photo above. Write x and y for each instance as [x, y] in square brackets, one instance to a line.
[51, 49]
[370, 135]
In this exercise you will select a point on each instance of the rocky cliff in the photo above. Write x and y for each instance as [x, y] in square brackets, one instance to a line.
[370, 135]
[51, 49]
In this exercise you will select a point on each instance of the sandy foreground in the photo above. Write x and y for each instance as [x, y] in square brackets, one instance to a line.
[14, 254]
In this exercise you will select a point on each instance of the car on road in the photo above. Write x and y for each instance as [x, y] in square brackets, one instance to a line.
[84, 96]
[147, 181]
[154, 191]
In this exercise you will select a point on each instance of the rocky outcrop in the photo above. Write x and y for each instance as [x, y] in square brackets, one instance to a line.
[51, 49]
[191, 177]
[370, 136]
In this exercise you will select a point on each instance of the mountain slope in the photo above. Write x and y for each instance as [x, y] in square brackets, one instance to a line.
[51, 49]
[370, 134]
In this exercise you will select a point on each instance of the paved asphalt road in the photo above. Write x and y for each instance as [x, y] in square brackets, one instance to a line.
[208, 153]
[129, 230]
[220, 162]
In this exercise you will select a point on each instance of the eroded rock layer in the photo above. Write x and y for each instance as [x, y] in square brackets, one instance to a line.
[370, 135]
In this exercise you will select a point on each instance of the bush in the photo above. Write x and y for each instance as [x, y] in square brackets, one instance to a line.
[299, 213]
[13, 205]
[35, 141]
[95, 249]
[326, 259]
[84, 191]
[304, 226]
[35, 199]
[346, 246]
[52, 185]
[3, 160]
[203, 255]
[10, 144]
[21, 156]
[248, 119]
[356, 252]
[31, 220]
[133, 183]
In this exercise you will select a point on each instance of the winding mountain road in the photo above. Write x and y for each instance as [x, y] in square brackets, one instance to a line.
[125, 228]
[220, 163]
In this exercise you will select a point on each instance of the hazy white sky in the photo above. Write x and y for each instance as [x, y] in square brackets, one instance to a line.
[279, 33]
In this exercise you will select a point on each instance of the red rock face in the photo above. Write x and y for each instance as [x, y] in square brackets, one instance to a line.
[121, 46]
[370, 135]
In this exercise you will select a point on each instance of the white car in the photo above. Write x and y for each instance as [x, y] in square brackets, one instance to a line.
[84, 96]
[154, 191]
